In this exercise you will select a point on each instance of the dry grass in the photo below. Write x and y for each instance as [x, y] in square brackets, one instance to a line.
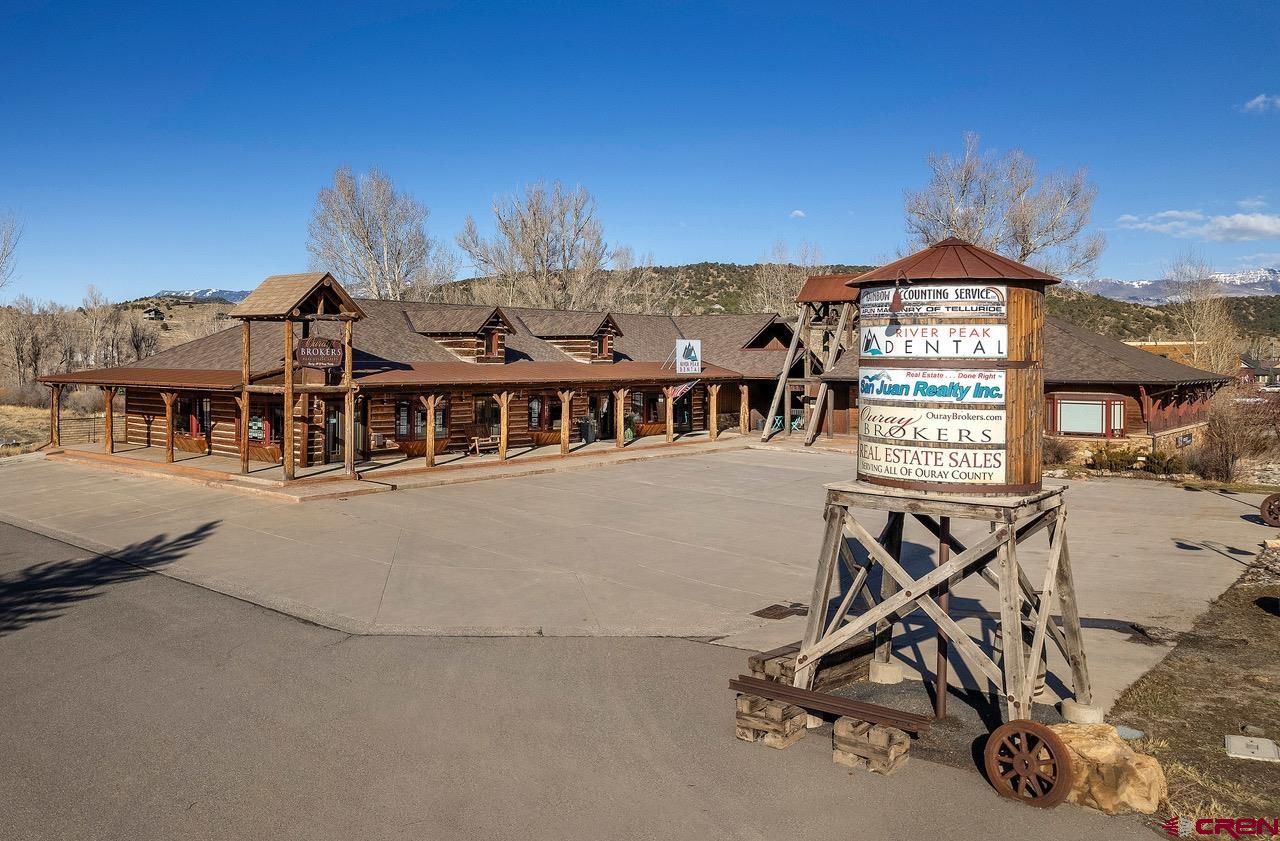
[1222, 674]
[27, 425]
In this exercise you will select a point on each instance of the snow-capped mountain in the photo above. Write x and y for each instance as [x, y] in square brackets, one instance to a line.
[1240, 284]
[231, 296]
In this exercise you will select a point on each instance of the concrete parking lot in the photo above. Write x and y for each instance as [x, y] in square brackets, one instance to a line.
[138, 707]
[689, 547]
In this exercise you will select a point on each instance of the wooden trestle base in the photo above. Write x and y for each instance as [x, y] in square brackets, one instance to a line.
[1013, 520]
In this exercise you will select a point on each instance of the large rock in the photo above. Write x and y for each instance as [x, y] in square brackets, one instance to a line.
[1109, 775]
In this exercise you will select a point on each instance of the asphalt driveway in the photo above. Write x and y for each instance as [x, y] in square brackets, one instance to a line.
[138, 707]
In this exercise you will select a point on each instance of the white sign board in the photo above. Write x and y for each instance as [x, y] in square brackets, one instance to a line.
[936, 300]
[939, 426]
[688, 356]
[936, 341]
[931, 464]
[930, 385]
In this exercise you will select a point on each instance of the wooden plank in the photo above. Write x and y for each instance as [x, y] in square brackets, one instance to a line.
[781, 388]
[1071, 624]
[1042, 616]
[1012, 663]
[823, 389]
[834, 704]
[832, 537]
[901, 599]
[891, 540]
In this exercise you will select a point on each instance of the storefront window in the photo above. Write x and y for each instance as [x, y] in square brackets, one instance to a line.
[544, 412]
[266, 424]
[191, 416]
[1101, 416]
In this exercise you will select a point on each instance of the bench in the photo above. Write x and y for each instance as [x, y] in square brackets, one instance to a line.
[489, 442]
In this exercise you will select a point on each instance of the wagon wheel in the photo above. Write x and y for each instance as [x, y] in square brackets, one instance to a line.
[1270, 510]
[1027, 761]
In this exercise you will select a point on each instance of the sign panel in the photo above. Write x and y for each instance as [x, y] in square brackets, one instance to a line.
[940, 426]
[931, 464]
[688, 356]
[936, 300]
[936, 341]
[318, 353]
[931, 385]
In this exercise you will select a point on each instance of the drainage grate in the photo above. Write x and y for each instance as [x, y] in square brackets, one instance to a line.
[782, 611]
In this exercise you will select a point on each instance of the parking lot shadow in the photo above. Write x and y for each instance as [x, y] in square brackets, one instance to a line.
[44, 591]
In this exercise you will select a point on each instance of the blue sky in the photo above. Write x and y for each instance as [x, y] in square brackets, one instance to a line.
[182, 145]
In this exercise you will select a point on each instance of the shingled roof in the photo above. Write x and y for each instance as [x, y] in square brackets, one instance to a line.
[443, 319]
[279, 295]
[562, 323]
[1074, 355]
[953, 259]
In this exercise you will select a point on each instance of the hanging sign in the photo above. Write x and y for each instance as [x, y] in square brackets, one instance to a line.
[972, 466]
[940, 426]
[936, 300]
[318, 353]
[936, 341]
[931, 385]
[688, 356]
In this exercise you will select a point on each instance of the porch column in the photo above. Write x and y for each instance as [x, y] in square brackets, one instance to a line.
[713, 400]
[55, 416]
[504, 414]
[349, 404]
[108, 397]
[168, 397]
[566, 418]
[244, 397]
[619, 416]
[429, 404]
[287, 438]
[671, 413]
[744, 409]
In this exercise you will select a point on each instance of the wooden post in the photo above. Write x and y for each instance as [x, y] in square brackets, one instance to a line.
[504, 411]
[822, 400]
[429, 403]
[671, 413]
[168, 397]
[55, 415]
[244, 396]
[1071, 621]
[108, 398]
[287, 440]
[819, 602]
[713, 419]
[944, 602]
[619, 417]
[349, 405]
[566, 418]
[744, 409]
[801, 318]
[1012, 664]
[891, 540]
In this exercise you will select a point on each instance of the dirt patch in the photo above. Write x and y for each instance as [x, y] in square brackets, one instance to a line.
[1222, 675]
[27, 425]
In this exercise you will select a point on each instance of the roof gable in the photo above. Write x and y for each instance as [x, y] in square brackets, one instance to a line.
[283, 295]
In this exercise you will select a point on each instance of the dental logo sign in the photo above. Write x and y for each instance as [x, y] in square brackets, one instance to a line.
[688, 355]
[935, 341]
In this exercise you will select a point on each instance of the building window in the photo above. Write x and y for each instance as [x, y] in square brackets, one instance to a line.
[1100, 416]
[411, 420]
[493, 343]
[266, 424]
[602, 345]
[544, 412]
[649, 407]
[442, 418]
[191, 416]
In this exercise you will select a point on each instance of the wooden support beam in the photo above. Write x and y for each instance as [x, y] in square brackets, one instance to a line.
[429, 403]
[671, 413]
[504, 412]
[566, 419]
[801, 318]
[168, 397]
[713, 401]
[243, 400]
[891, 540]
[287, 438]
[1012, 661]
[823, 391]
[744, 409]
[55, 415]
[620, 417]
[349, 404]
[1071, 622]
[832, 540]
[108, 426]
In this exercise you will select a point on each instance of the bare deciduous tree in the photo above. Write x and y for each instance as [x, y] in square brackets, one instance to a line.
[97, 312]
[1002, 204]
[141, 336]
[548, 251]
[10, 234]
[374, 239]
[777, 279]
[1202, 315]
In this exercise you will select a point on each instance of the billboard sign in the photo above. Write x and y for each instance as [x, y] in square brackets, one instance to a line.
[318, 353]
[688, 356]
[919, 463]
[938, 426]
[931, 385]
[936, 300]
[935, 341]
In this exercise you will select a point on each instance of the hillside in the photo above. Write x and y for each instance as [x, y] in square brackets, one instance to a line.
[706, 287]
[1257, 315]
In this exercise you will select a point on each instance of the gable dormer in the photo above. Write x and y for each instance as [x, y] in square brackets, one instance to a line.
[583, 336]
[471, 333]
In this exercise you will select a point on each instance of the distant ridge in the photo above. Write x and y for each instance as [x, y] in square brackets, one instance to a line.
[231, 296]
[1242, 284]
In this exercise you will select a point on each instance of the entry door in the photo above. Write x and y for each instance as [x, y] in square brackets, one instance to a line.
[332, 434]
